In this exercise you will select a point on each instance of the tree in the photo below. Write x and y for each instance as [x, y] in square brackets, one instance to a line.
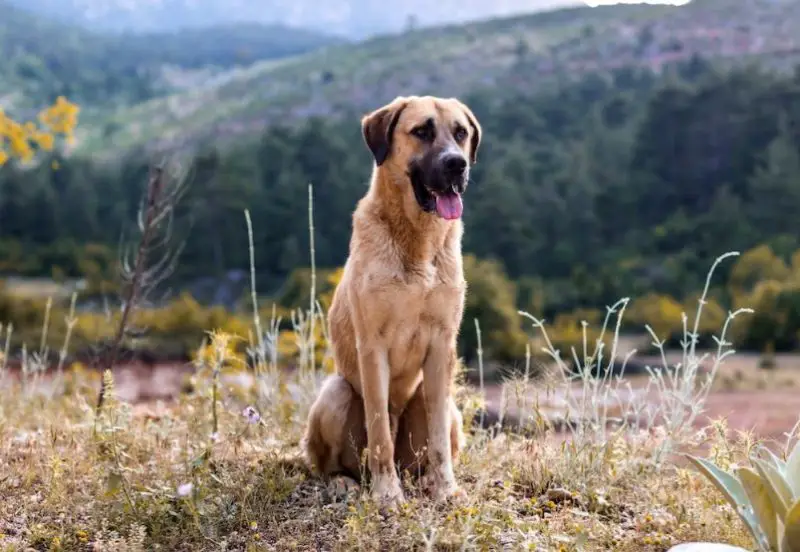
[775, 186]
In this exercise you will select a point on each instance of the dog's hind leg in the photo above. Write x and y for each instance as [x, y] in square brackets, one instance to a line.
[336, 435]
[411, 452]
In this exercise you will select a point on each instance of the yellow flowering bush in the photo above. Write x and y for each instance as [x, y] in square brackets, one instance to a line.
[19, 140]
[663, 313]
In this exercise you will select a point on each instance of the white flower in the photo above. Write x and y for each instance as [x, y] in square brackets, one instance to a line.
[185, 489]
[252, 415]
[215, 437]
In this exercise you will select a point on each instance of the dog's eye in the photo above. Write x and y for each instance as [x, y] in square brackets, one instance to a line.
[460, 134]
[426, 133]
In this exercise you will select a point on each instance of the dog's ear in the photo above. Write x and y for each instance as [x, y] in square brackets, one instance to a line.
[477, 132]
[378, 129]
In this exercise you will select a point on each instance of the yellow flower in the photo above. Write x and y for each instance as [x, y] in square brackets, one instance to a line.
[17, 138]
[45, 140]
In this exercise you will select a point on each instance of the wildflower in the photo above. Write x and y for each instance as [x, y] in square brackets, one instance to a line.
[215, 437]
[185, 489]
[252, 415]
[253, 525]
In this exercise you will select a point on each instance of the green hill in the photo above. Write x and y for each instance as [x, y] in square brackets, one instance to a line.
[351, 18]
[43, 59]
[520, 53]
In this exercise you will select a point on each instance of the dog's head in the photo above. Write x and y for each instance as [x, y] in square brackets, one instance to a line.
[432, 142]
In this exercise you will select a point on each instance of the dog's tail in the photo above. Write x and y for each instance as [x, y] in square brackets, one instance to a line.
[315, 450]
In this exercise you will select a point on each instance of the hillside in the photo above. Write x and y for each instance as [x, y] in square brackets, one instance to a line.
[353, 18]
[520, 53]
[43, 58]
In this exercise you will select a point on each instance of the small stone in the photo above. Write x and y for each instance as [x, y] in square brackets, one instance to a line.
[341, 487]
[705, 547]
[559, 495]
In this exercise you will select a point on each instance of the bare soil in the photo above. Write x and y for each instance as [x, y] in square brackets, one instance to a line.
[765, 402]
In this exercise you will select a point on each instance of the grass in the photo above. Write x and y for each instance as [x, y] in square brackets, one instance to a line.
[162, 481]
[219, 467]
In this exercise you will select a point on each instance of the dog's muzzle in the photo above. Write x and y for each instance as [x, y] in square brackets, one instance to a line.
[439, 181]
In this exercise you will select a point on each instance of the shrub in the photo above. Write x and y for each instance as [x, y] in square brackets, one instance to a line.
[491, 299]
[662, 313]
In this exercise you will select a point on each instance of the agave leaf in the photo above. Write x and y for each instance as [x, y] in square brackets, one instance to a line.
[779, 491]
[791, 533]
[777, 462]
[793, 470]
[727, 483]
[733, 491]
[756, 489]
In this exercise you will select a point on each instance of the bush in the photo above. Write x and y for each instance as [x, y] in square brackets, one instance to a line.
[776, 321]
[662, 313]
[491, 299]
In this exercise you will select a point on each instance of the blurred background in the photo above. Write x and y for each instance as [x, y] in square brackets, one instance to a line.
[626, 147]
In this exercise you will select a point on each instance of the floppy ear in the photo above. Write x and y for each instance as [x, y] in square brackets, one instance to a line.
[477, 133]
[378, 129]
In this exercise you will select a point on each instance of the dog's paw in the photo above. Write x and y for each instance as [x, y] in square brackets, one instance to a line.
[449, 493]
[443, 491]
[386, 491]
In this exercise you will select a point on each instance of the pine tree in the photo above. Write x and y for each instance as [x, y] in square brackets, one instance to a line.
[775, 187]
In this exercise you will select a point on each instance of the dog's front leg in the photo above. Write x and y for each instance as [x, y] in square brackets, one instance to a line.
[374, 371]
[437, 382]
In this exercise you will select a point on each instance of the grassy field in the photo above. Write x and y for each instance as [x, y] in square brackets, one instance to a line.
[216, 465]
[161, 478]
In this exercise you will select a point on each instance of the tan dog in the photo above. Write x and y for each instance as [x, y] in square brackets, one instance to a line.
[397, 310]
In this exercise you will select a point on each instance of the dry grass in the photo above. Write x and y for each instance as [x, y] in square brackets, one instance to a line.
[120, 490]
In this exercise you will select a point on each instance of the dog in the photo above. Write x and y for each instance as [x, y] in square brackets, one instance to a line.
[395, 315]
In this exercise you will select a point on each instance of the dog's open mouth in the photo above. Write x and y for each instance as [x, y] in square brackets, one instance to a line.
[446, 204]
[449, 205]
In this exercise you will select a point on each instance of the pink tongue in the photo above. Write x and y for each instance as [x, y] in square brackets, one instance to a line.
[449, 206]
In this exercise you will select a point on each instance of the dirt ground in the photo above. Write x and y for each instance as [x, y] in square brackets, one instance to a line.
[766, 402]
[749, 398]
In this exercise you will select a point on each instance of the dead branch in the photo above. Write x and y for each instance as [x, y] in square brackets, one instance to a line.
[152, 262]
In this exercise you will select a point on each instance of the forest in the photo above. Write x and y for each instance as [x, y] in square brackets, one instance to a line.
[44, 58]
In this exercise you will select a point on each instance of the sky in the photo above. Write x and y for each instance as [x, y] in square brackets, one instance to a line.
[594, 3]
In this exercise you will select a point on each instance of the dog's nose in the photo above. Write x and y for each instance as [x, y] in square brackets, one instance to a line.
[454, 164]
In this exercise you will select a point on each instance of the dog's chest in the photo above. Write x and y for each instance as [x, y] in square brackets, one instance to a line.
[423, 309]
